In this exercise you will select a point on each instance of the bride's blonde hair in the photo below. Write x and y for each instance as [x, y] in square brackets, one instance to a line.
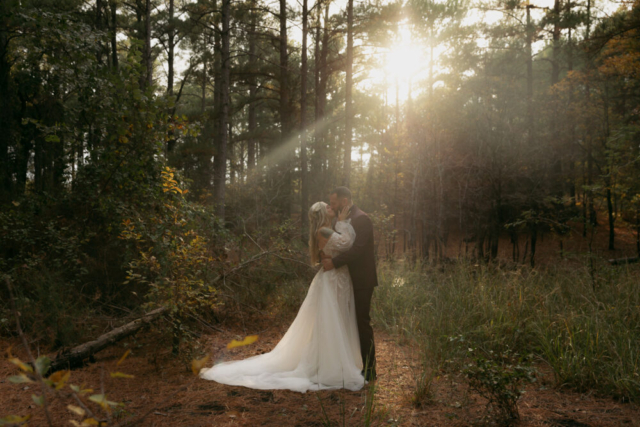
[317, 218]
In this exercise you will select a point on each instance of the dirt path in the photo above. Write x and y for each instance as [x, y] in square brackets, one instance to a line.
[177, 399]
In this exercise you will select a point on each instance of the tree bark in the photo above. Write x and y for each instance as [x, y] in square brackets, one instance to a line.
[555, 63]
[147, 44]
[315, 159]
[220, 171]
[284, 110]
[171, 43]
[114, 32]
[530, 121]
[304, 191]
[348, 124]
[75, 357]
[319, 159]
[253, 89]
[6, 117]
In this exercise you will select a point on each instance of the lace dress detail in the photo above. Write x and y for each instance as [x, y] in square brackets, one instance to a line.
[339, 242]
[321, 348]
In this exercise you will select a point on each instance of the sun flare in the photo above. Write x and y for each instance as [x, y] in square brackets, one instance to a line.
[405, 57]
[404, 60]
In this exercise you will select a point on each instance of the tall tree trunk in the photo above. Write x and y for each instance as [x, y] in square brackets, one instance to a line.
[529, 53]
[431, 60]
[203, 84]
[6, 117]
[589, 206]
[304, 191]
[638, 230]
[221, 152]
[555, 62]
[147, 44]
[144, 35]
[284, 109]
[171, 43]
[315, 159]
[253, 89]
[114, 33]
[612, 218]
[320, 155]
[534, 239]
[609, 180]
[98, 25]
[348, 108]
[556, 163]
[214, 118]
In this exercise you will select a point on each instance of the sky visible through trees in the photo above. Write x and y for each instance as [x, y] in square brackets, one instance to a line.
[478, 119]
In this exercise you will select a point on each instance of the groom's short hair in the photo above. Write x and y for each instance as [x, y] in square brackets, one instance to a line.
[342, 192]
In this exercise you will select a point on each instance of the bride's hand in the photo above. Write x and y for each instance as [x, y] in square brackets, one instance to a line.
[344, 213]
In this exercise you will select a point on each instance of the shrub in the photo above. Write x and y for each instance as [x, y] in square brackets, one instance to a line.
[499, 377]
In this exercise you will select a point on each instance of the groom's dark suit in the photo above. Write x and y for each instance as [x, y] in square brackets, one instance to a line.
[362, 268]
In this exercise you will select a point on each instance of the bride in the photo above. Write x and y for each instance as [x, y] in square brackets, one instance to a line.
[321, 349]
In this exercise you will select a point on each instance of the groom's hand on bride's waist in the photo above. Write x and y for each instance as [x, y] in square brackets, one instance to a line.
[327, 264]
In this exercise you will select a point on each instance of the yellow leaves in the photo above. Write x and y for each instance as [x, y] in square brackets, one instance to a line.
[124, 356]
[85, 423]
[20, 364]
[80, 390]
[101, 400]
[120, 375]
[246, 341]
[197, 365]
[76, 410]
[123, 139]
[14, 420]
[59, 379]
[170, 184]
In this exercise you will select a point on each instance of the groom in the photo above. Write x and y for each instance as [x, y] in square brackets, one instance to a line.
[362, 268]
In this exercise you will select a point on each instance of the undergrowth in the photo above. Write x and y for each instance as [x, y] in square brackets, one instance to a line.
[588, 334]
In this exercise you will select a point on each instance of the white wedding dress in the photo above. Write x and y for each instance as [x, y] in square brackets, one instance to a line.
[321, 349]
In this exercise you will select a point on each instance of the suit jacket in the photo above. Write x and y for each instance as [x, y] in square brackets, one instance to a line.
[360, 258]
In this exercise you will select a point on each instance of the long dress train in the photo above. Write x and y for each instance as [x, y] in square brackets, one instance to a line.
[321, 348]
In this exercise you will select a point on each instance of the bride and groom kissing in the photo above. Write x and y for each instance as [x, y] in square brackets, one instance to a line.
[330, 343]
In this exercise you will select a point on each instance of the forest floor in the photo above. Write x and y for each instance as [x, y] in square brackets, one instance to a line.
[175, 397]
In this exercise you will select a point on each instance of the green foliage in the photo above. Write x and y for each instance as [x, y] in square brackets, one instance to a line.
[499, 378]
[589, 336]
[44, 256]
[174, 259]
[423, 394]
[99, 138]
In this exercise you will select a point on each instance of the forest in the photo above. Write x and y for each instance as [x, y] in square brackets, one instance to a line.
[158, 159]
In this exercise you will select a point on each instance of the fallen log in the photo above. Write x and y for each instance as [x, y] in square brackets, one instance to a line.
[620, 261]
[76, 357]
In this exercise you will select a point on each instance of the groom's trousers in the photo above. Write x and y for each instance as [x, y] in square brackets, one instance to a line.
[362, 299]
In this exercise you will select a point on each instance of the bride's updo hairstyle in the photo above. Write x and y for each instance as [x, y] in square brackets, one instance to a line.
[317, 218]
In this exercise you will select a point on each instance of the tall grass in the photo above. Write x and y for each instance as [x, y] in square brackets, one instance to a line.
[586, 329]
